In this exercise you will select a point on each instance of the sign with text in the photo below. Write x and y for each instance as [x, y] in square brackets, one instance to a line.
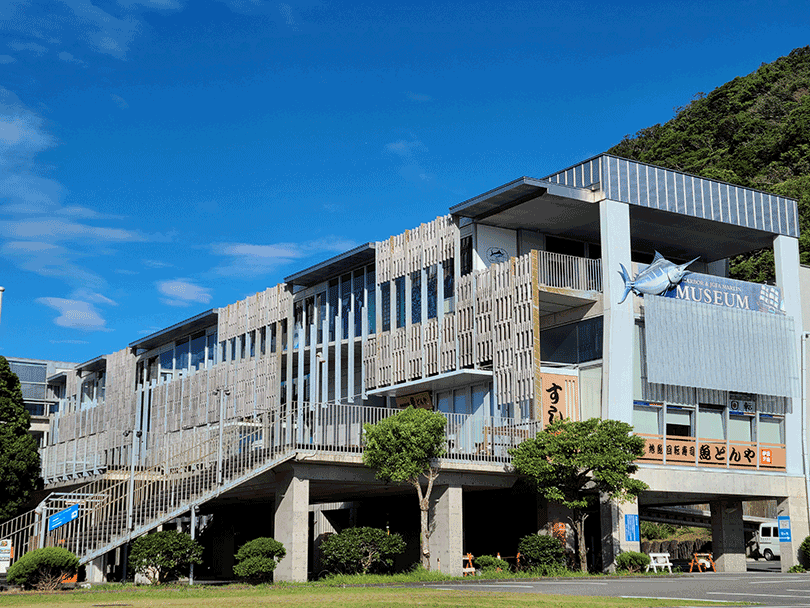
[63, 517]
[557, 397]
[730, 293]
[631, 528]
[784, 528]
[422, 400]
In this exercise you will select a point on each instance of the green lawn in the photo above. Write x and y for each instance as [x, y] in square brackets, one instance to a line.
[305, 596]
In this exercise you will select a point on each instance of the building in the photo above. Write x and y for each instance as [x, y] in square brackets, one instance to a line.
[40, 399]
[514, 309]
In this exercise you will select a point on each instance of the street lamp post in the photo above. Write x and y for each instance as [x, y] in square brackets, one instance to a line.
[2, 289]
[131, 496]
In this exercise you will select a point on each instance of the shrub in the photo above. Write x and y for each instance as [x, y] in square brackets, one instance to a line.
[541, 552]
[488, 562]
[653, 531]
[804, 551]
[797, 568]
[163, 554]
[43, 569]
[361, 550]
[632, 561]
[257, 559]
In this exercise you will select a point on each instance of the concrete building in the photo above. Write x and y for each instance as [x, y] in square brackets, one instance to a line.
[509, 312]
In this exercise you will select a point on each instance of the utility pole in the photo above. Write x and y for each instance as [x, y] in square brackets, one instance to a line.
[2, 289]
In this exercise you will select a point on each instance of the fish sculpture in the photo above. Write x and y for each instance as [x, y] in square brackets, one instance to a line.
[656, 278]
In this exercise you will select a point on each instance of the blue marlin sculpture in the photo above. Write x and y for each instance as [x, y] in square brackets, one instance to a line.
[656, 278]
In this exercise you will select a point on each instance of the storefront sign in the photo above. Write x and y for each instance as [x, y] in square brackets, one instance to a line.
[422, 400]
[742, 403]
[720, 291]
[557, 397]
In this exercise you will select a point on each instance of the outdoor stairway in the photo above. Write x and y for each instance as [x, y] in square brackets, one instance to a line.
[198, 464]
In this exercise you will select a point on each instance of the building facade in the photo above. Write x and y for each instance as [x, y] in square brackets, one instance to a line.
[542, 299]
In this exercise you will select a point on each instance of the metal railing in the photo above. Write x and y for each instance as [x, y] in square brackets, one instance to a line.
[198, 464]
[568, 271]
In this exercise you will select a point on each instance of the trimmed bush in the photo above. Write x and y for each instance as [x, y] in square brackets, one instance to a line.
[632, 561]
[361, 550]
[804, 551]
[257, 559]
[162, 555]
[541, 552]
[489, 562]
[43, 569]
[798, 568]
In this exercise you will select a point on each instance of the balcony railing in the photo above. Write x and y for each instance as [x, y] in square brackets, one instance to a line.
[569, 272]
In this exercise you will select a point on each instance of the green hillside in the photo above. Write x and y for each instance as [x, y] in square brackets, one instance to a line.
[753, 131]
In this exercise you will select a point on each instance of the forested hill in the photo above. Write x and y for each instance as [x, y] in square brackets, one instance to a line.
[753, 131]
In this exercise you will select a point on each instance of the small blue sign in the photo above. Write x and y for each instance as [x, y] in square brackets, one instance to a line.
[784, 528]
[63, 517]
[631, 528]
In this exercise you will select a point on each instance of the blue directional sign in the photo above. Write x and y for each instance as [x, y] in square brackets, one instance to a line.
[631, 529]
[63, 517]
[784, 528]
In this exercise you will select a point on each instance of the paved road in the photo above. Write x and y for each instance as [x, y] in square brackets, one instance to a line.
[766, 588]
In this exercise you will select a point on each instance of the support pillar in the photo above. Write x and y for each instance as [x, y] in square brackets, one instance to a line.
[619, 532]
[617, 369]
[728, 537]
[447, 536]
[292, 527]
[96, 570]
[553, 519]
[795, 507]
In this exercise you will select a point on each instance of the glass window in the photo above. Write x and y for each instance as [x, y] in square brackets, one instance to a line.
[371, 290]
[167, 360]
[449, 281]
[252, 343]
[559, 344]
[400, 303]
[679, 422]
[298, 314]
[181, 353]
[212, 349]
[232, 350]
[710, 422]
[283, 332]
[333, 308]
[771, 430]
[223, 352]
[309, 320]
[432, 292]
[466, 258]
[321, 315]
[262, 341]
[460, 402]
[198, 351]
[385, 302]
[346, 300]
[445, 402]
[645, 420]
[480, 400]
[242, 347]
[739, 427]
[766, 532]
[416, 297]
[273, 338]
[358, 302]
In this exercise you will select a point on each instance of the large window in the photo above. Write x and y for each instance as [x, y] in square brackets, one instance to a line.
[385, 303]
[710, 422]
[574, 343]
[400, 303]
[416, 297]
[371, 290]
[679, 422]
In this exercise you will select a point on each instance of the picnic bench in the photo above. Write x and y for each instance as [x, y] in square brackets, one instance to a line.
[659, 560]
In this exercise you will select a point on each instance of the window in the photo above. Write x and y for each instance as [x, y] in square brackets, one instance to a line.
[574, 343]
[371, 291]
[740, 427]
[432, 292]
[385, 302]
[273, 338]
[400, 303]
[466, 258]
[321, 315]
[198, 351]
[262, 341]
[252, 343]
[449, 281]
[181, 355]
[771, 429]
[679, 422]
[333, 308]
[346, 301]
[212, 349]
[710, 422]
[645, 420]
[416, 297]
[359, 279]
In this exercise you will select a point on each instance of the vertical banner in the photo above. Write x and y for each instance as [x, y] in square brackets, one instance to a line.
[558, 398]
[632, 532]
[784, 528]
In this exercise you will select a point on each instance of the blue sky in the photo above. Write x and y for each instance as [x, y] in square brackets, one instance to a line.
[162, 157]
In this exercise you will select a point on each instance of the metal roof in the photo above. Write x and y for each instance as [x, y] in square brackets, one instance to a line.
[333, 267]
[504, 197]
[183, 328]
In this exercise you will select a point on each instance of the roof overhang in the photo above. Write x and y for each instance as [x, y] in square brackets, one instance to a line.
[178, 330]
[442, 382]
[57, 378]
[345, 262]
[93, 365]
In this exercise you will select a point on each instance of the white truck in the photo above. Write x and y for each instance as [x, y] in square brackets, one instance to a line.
[767, 540]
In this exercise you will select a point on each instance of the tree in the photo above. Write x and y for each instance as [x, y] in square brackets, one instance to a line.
[573, 463]
[257, 559]
[361, 549]
[159, 555]
[402, 448]
[19, 457]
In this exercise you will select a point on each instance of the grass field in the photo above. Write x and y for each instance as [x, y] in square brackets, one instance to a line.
[305, 596]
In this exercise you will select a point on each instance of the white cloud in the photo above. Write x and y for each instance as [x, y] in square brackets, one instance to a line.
[50, 260]
[65, 230]
[418, 96]
[157, 264]
[119, 101]
[183, 292]
[91, 296]
[69, 58]
[75, 314]
[251, 260]
[286, 12]
[35, 48]
[104, 32]
[69, 342]
[7, 59]
[404, 148]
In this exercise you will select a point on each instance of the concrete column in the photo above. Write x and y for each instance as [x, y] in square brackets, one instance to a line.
[292, 527]
[615, 532]
[795, 507]
[96, 570]
[728, 538]
[549, 514]
[446, 523]
[617, 368]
